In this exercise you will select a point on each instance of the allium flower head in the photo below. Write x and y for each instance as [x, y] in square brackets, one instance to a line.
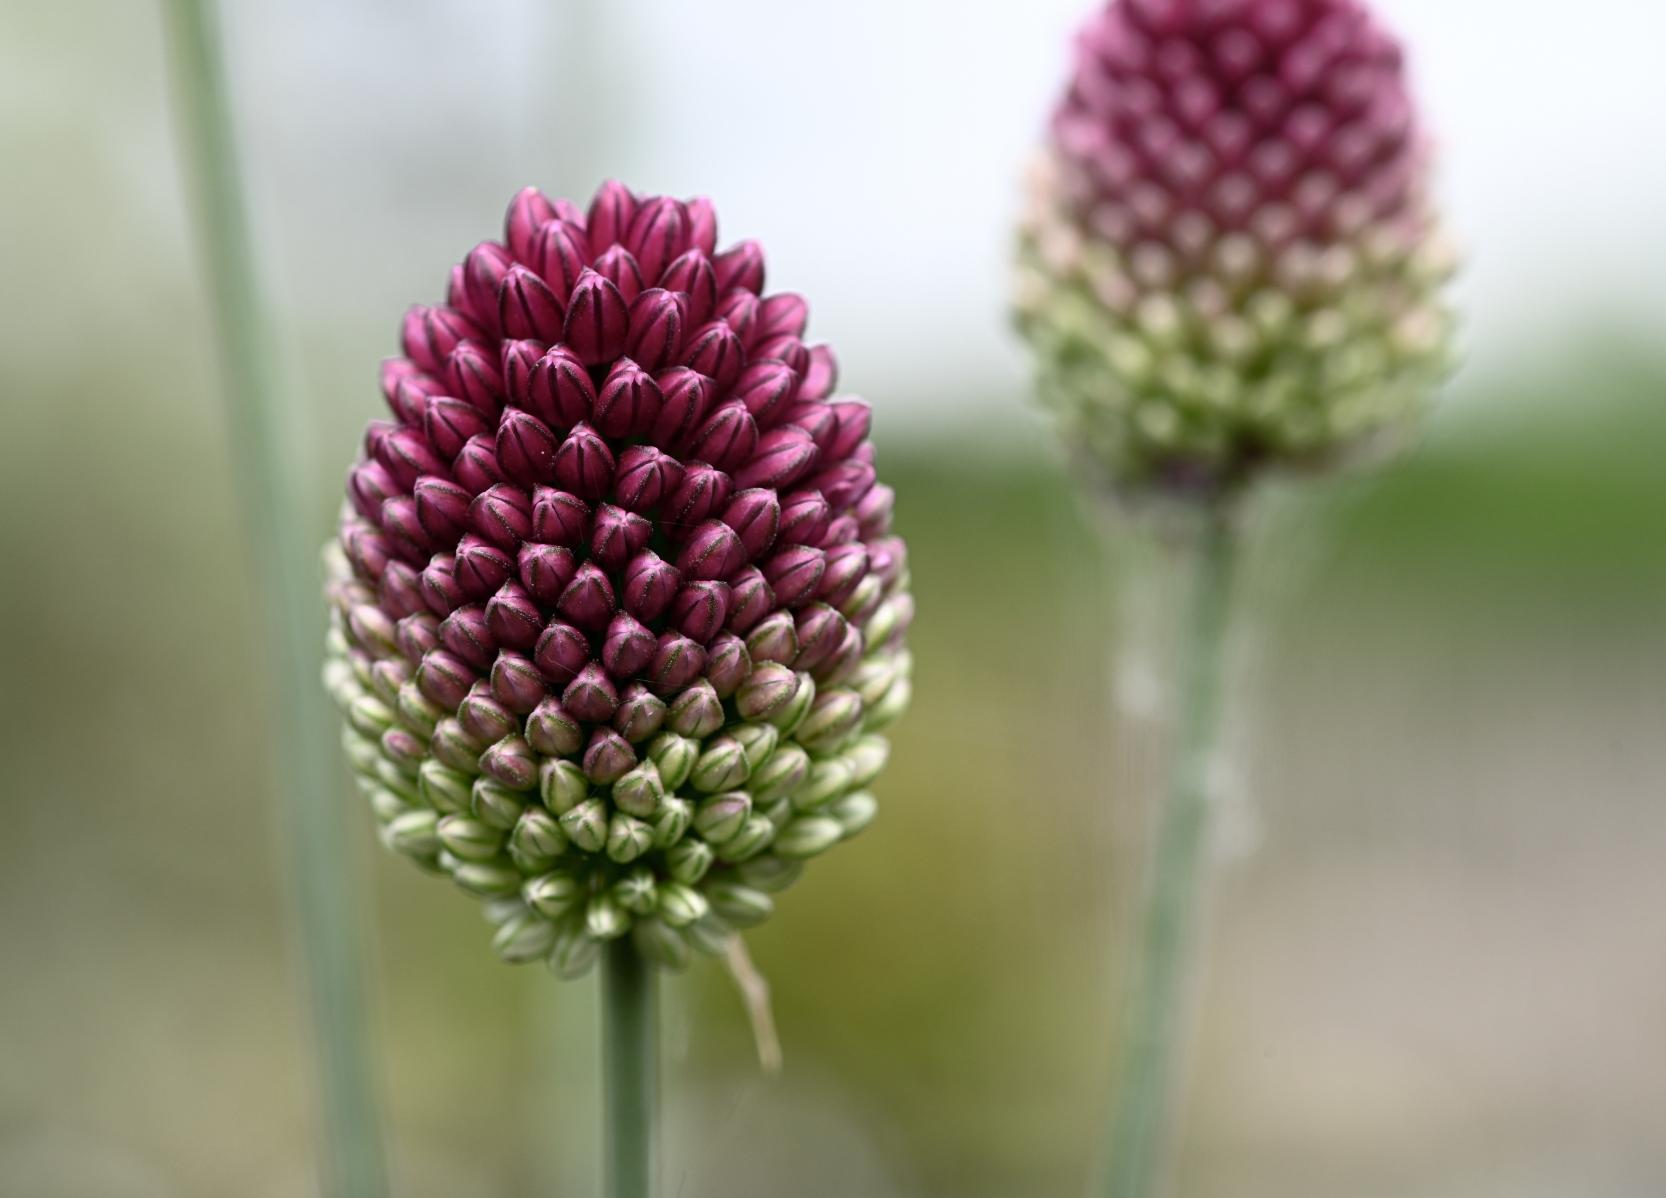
[1228, 258]
[617, 615]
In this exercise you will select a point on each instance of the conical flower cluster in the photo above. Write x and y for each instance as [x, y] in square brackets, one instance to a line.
[1228, 259]
[617, 615]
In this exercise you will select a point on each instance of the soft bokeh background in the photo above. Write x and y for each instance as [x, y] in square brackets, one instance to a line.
[1438, 963]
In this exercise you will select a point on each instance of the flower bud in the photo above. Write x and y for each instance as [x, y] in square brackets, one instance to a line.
[528, 212]
[685, 399]
[637, 892]
[588, 600]
[487, 879]
[440, 589]
[658, 320]
[758, 741]
[516, 361]
[512, 763]
[544, 572]
[890, 708]
[610, 214]
[650, 584]
[854, 812]
[750, 599]
[639, 792]
[741, 267]
[727, 663]
[741, 906]
[553, 894]
[414, 833]
[691, 273]
[591, 695]
[536, 841]
[700, 609]
[774, 639]
[755, 516]
[561, 785]
[562, 651]
[559, 391]
[604, 918]
[719, 817]
[780, 775]
[680, 905]
[483, 717]
[794, 574]
[674, 756]
[502, 516]
[513, 620]
[713, 552]
[688, 860]
[607, 757]
[873, 513]
[586, 825]
[617, 536]
[469, 839]
[416, 710]
[480, 568]
[526, 447]
[619, 267]
[575, 951]
[722, 766]
[645, 477]
[821, 631]
[476, 466]
[442, 507]
[641, 713]
[516, 683]
[597, 320]
[672, 821]
[369, 716]
[444, 789]
[677, 662]
[496, 804]
[553, 731]
[628, 838]
[769, 688]
[628, 403]
[455, 747]
[524, 938]
[584, 464]
[697, 712]
[714, 351]
[559, 253]
[867, 758]
[769, 873]
[526, 306]
[828, 780]
[834, 718]
[727, 439]
[661, 943]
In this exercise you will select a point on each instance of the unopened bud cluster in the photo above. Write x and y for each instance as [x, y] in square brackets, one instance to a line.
[1228, 259]
[617, 615]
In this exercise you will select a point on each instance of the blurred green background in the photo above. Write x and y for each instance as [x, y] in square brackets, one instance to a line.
[1438, 957]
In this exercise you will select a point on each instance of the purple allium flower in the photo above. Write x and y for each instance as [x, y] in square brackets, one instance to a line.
[618, 545]
[1229, 259]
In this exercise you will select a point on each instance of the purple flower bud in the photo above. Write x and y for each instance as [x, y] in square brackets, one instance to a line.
[476, 466]
[628, 648]
[692, 274]
[429, 334]
[645, 476]
[588, 599]
[553, 731]
[584, 464]
[821, 631]
[841, 530]
[598, 320]
[517, 683]
[641, 713]
[480, 567]
[528, 212]
[527, 307]
[610, 214]
[483, 272]
[817, 419]
[608, 757]
[525, 447]
[727, 439]
[442, 508]
[887, 558]
[755, 515]
[785, 313]
[783, 456]
[501, 514]
[559, 517]
[785, 349]
[628, 403]
[794, 574]
[473, 372]
[369, 486]
[715, 351]
[617, 536]
[843, 663]
[700, 609]
[846, 566]
[873, 512]
[727, 663]
[702, 225]
[685, 395]
[512, 618]
[714, 551]
[404, 386]
[854, 418]
[445, 678]
[561, 652]
[658, 318]
[406, 454]
[449, 423]
[511, 763]
[465, 634]
[591, 695]
[703, 491]
[845, 483]
[406, 536]
[619, 266]
[677, 662]
[774, 638]
[769, 689]
[739, 310]
[417, 635]
[659, 231]
[750, 599]
[765, 388]
[366, 549]
[398, 591]
[545, 570]
[559, 391]
[696, 712]
[440, 589]
[559, 253]
[483, 717]
[804, 516]
[742, 266]
[650, 584]
[821, 376]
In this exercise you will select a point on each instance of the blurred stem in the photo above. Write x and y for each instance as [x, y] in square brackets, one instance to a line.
[629, 1068]
[285, 566]
[1152, 1053]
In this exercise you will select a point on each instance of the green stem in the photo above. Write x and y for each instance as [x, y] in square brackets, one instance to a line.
[1152, 1052]
[286, 573]
[629, 1068]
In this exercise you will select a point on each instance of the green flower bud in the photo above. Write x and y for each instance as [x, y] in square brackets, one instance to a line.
[834, 718]
[413, 833]
[828, 780]
[855, 811]
[770, 687]
[369, 716]
[688, 860]
[808, 836]
[681, 905]
[758, 740]
[753, 838]
[536, 841]
[867, 758]
[363, 753]
[552, 731]
[674, 757]
[401, 782]
[722, 766]
[790, 716]
[386, 805]
[586, 825]
[741, 906]
[861, 601]
[889, 709]
[781, 775]
[554, 894]
[769, 873]
[778, 813]
[718, 818]
[710, 935]
[524, 938]
[661, 943]
[404, 750]
[575, 950]
[495, 804]
[639, 792]
[455, 747]
[417, 711]
[672, 821]
[499, 911]
[628, 838]
[697, 712]
[470, 839]
[562, 785]
[339, 683]
[511, 763]
[386, 677]
[605, 919]
[443, 788]
[773, 639]
[488, 880]
[636, 891]
[886, 619]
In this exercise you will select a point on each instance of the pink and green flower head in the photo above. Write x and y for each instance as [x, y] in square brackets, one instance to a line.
[1229, 260]
[618, 617]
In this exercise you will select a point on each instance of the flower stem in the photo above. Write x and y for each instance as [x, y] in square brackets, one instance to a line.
[1152, 1051]
[629, 1068]
[284, 560]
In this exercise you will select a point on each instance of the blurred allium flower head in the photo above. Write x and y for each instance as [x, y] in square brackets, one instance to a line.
[1229, 259]
[617, 615]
